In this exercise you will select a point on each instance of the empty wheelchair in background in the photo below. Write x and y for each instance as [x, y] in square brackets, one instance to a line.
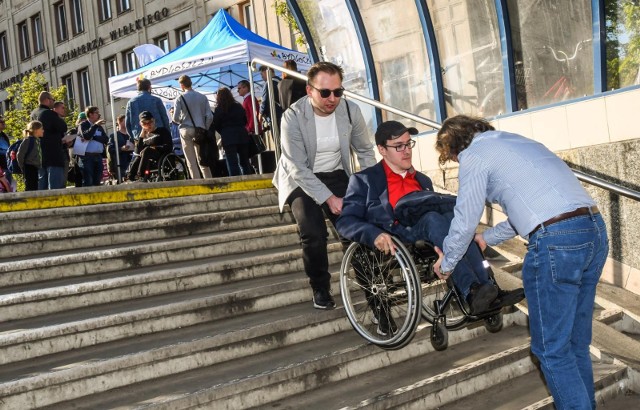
[386, 296]
[169, 167]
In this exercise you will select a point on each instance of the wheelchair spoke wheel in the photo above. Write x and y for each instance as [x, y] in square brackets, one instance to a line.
[435, 292]
[381, 295]
[172, 168]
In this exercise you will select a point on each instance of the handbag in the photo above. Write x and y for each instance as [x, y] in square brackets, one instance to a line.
[202, 135]
[256, 146]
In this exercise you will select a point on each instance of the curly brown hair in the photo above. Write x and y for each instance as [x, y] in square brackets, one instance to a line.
[457, 133]
[224, 99]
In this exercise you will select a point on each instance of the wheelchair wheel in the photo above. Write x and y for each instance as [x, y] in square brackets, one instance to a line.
[380, 294]
[172, 168]
[439, 336]
[493, 323]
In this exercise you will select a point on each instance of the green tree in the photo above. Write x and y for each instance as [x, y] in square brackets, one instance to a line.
[282, 10]
[623, 57]
[23, 97]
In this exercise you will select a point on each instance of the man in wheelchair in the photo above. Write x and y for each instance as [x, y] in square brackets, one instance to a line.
[153, 142]
[370, 216]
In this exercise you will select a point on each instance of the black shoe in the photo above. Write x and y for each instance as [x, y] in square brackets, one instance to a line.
[481, 296]
[322, 299]
[386, 324]
[507, 298]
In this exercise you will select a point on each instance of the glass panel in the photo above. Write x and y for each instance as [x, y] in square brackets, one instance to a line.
[552, 48]
[105, 9]
[61, 21]
[77, 17]
[623, 43]
[4, 52]
[85, 86]
[335, 37]
[25, 50]
[470, 56]
[38, 41]
[400, 55]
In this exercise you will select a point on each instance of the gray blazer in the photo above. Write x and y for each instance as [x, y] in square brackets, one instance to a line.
[299, 145]
[199, 108]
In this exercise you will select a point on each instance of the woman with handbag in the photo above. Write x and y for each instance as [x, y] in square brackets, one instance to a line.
[230, 119]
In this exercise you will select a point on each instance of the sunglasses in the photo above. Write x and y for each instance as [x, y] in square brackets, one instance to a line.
[403, 147]
[325, 92]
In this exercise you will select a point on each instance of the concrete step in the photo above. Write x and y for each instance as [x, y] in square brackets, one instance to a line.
[89, 215]
[316, 368]
[43, 243]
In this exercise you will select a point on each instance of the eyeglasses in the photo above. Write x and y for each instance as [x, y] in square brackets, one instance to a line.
[325, 92]
[403, 147]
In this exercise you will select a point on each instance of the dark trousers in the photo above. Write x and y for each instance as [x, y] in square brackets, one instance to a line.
[30, 177]
[237, 156]
[312, 227]
[91, 168]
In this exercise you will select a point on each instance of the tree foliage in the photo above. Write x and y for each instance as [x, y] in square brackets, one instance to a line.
[23, 97]
[623, 42]
[282, 10]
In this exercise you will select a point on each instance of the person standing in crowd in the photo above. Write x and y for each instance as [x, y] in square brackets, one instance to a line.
[5, 142]
[60, 108]
[230, 119]
[52, 171]
[318, 133]
[90, 163]
[249, 104]
[192, 110]
[265, 104]
[124, 145]
[144, 101]
[568, 244]
[291, 89]
[30, 155]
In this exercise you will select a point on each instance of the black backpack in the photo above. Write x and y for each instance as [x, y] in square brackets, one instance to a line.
[12, 156]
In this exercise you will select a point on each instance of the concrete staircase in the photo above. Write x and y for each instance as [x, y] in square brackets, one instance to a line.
[200, 301]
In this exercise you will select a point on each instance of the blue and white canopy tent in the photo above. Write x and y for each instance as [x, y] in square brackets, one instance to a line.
[217, 56]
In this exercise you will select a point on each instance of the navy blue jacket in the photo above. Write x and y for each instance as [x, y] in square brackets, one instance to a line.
[366, 211]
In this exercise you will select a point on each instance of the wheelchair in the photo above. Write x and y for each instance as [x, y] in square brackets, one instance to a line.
[401, 290]
[169, 167]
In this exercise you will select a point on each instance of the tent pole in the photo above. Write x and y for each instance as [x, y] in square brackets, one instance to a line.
[255, 110]
[115, 139]
[275, 127]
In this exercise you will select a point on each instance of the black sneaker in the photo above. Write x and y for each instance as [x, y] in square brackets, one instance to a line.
[322, 299]
[507, 298]
[481, 296]
[386, 325]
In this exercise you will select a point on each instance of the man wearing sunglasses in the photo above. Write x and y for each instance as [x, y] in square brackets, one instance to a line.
[371, 207]
[319, 131]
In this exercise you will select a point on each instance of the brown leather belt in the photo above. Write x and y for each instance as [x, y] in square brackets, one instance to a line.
[566, 215]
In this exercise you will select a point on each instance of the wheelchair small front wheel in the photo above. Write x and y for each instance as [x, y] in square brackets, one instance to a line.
[439, 336]
[494, 323]
[380, 294]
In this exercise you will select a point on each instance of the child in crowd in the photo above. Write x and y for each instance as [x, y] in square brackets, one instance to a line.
[30, 155]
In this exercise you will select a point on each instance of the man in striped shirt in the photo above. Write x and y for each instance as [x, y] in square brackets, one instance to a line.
[567, 236]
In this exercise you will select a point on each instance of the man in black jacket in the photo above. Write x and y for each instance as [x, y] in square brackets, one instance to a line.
[52, 172]
[94, 137]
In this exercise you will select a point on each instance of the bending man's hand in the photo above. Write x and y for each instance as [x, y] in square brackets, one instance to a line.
[479, 239]
[384, 243]
[436, 266]
[335, 204]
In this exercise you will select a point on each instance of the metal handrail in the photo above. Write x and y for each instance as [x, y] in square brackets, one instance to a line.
[601, 183]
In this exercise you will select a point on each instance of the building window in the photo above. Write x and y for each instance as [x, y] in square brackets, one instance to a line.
[623, 37]
[23, 37]
[110, 67]
[247, 16]
[104, 7]
[68, 82]
[61, 22]
[183, 34]
[130, 62]
[38, 38]
[85, 88]
[163, 43]
[124, 5]
[4, 51]
[78, 21]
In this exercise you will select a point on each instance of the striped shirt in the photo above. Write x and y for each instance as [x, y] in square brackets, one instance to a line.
[526, 179]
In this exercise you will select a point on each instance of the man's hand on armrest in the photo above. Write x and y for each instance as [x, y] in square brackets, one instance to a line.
[384, 243]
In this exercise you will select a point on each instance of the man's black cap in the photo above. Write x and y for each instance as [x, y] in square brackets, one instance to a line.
[145, 116]
[390, 130]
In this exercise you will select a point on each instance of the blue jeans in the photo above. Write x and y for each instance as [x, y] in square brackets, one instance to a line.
[91, 168]
[560, 273]
[237, 156]
[434, 227]
[51, 178]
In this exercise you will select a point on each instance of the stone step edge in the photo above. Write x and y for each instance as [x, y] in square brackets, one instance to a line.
[122, 250]
[134, 226]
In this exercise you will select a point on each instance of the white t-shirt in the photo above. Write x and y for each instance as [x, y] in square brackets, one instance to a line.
[328, 157]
